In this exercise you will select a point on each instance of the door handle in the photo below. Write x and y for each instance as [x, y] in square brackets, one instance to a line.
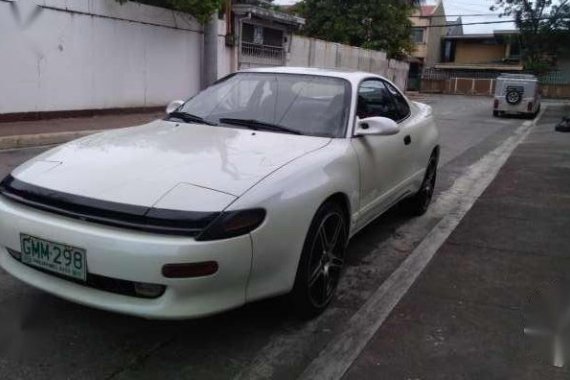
[407, 140]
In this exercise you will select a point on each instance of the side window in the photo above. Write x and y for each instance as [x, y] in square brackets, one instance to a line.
[374, 99]
[401, 103]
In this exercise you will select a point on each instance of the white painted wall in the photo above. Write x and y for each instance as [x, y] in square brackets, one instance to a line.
[227, 56]
[94, 54]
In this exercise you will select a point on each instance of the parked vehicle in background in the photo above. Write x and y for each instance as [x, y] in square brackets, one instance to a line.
[516, 94]
[250, 189]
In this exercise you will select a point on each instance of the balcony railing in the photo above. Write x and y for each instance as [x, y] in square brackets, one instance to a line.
[262, 54]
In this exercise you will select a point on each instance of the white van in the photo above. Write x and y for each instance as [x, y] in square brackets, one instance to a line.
[516, 94]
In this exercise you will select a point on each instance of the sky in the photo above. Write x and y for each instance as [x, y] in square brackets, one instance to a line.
[461, 7]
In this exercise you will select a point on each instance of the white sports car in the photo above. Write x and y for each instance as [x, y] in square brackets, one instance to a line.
[250, 189]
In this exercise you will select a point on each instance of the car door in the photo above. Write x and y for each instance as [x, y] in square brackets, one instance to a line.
[383, 160]
[413, 134]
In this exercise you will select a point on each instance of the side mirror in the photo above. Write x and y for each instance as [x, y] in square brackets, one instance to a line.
[377, 125]
[173, 106]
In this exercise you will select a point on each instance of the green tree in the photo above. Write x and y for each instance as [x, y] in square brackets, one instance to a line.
[371, 24]
[544, 27]
[200, 9]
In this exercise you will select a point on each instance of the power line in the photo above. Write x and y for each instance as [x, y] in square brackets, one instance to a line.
[468, 23]
[462, 15]
[480, 23]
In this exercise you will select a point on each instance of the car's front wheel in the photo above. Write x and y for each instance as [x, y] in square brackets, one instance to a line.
[322, 261]
[419, 203]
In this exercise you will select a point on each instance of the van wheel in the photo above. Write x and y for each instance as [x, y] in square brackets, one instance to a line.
[322, 261]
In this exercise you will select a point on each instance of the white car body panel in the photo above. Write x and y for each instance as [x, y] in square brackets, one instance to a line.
[300, 188]
[135, 256]
[192, 167]
[149, 160]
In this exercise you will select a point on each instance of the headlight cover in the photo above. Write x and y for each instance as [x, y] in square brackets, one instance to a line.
[233, 223]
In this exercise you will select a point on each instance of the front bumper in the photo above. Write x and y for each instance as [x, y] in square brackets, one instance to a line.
[131, 256]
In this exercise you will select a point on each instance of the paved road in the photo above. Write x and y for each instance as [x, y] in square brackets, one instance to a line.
[494, 277]
[44, 337]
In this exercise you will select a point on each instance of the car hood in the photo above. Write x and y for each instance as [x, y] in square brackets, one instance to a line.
[194, 164]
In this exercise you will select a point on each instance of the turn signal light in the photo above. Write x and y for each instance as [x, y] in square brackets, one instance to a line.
[187, 270]
[233, 223]
[529, 107]
[496, 103]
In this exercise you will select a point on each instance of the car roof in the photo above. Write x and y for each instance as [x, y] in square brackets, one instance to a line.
[337, 73]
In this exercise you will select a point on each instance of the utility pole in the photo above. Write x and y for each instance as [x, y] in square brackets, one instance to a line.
[210, 64]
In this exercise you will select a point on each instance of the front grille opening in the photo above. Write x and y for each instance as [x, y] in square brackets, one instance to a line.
[106, 284]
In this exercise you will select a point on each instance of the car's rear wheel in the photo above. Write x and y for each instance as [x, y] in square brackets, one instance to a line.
[322, 261]
[419, 203]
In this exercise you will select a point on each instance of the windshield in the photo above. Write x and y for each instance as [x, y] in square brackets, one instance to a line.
[309, 105]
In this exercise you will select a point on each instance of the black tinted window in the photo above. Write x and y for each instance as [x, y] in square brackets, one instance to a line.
[374, 99]
[401, 103]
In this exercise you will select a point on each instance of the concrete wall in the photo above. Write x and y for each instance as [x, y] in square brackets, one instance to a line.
[67, 55]
[227, 56]
[420, 50]
[95, 54]
[434, 35]
[430, 49]
[311, 52]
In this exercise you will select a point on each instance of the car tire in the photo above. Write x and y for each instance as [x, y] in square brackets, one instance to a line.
[322, 261]
[418, 204]
[513, 97]
[534, 114]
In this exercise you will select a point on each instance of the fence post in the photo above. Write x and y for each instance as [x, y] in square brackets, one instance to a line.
[312, 47]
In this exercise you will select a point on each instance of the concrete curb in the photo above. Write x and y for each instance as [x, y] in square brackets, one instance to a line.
[27, 141]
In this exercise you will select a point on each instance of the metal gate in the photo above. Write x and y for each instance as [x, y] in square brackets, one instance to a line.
[260, 46]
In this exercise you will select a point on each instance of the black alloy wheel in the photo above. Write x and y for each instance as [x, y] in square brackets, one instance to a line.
[419, 203]
[322, 261]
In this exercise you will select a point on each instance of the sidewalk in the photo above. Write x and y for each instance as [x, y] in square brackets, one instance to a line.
[54, 131]
[465, 316]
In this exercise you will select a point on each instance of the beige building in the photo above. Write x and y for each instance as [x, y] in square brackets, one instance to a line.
[427, 39]
[499, 50]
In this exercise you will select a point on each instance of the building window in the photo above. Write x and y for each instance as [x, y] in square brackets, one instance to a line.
[418, 35]
[258, 35]
[515, 52]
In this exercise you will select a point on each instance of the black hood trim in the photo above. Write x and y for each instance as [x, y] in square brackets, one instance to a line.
[141, 218]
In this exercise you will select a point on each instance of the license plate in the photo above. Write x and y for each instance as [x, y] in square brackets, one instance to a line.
[55, 257]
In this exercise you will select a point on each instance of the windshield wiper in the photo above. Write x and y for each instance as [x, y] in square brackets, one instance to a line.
[259, 125]
[189, 118]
